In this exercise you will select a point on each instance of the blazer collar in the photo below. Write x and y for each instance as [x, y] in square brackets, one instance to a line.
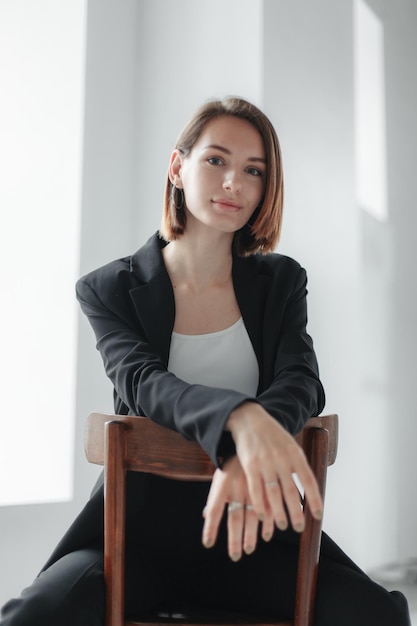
[251, 284]
[147, 262]
[154, 297]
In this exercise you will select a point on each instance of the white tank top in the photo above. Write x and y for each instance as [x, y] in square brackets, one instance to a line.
[224, 359]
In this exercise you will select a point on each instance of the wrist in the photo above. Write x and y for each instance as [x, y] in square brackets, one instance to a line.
[240, 415]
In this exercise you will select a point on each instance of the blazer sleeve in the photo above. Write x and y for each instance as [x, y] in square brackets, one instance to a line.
[295, 393]
[143, 383]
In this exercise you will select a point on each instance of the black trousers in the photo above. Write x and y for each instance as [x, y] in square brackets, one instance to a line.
[168, 568]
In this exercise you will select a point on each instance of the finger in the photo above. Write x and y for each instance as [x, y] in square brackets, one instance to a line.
[250, 534]
[268, 526]
[212, 513]
[311, 490]
[275, 500]
[212, 517]
[255, 490]
[235, 523]
[292, 500]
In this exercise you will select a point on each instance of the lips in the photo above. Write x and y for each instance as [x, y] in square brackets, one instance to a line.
[226, 204]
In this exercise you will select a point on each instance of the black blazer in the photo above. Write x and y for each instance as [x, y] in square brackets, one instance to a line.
[130, 305]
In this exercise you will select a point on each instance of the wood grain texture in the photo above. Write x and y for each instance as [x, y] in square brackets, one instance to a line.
[122, 443]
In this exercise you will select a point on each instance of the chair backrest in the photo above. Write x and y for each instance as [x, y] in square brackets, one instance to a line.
[123, 443]
[155, 449]
[149, 448]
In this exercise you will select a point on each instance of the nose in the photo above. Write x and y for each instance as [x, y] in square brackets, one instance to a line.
[232, 181]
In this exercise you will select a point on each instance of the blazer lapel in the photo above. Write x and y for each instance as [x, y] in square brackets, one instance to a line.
[154, 302]
[251, 288]
[153, 299]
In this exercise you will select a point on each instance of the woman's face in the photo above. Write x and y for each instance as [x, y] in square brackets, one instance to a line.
[223, 175]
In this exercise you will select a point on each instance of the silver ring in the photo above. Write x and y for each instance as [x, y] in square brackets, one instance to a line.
[248, 507]
[271, 483]
[234, 506]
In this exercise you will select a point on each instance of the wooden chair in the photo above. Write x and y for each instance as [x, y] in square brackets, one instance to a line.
[137, 444]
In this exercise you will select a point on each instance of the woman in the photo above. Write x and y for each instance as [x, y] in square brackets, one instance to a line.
[204, 331]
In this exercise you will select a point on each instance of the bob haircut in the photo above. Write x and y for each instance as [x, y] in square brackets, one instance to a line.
[262, 232]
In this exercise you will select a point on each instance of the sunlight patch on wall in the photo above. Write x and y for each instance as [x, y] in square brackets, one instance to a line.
[370, 124]
[41, 113]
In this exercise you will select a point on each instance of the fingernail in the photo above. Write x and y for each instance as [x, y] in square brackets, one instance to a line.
[267, 537]
[299, 527]
[249, 549]
[318, 514]
[282, 525]
[208, 542]
[235, 556]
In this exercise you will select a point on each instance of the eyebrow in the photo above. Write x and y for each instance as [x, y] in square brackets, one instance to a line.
[214, 146]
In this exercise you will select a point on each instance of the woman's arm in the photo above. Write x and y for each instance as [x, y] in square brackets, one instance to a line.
[261, 475]
[294, 393]
[143, 383]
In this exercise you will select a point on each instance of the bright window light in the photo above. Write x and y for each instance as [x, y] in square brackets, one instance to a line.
[41, 113]
[370, 133]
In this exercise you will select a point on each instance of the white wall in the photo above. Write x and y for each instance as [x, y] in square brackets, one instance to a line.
[29, 533]
[133, 111]
[41, 115]
[149, 64]
[187, 52]
[401, 51]
[309, 94]
[362, 306]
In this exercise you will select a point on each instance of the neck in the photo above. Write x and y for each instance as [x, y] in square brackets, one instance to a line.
[200, 262]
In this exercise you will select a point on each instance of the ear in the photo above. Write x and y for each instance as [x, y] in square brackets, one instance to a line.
[175, 166]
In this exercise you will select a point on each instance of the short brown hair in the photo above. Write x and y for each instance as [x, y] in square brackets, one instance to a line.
[262, 232]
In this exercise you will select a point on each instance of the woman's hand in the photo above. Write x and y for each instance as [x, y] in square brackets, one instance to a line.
[262, 475]
[229, 486]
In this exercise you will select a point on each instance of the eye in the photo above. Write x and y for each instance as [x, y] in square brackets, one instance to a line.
[215, 161]
[254, 171]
